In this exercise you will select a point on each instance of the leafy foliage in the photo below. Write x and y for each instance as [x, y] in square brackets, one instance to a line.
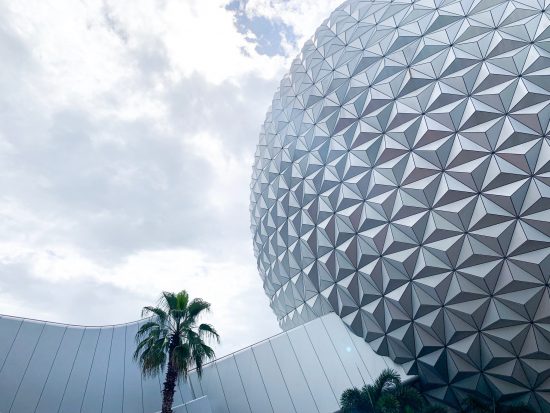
[386, 395]
[173, 339]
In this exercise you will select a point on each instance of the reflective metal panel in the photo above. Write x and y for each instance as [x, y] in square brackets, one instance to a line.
[232, 386]
[114, 386]
[9, 327]
[38, 369]
[253, 383]
[185, 391]
[211, 385]
[196, 386]
[59, 374]
[133, 397]
[74, 393]
[272, 377]
[345, 350]
[291, 371]
[337, 375]
[95, 389]
[313, 370]
[17, 362]
[151, 394]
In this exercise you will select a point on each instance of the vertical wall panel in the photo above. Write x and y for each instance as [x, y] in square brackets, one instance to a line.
[273, 379]
[313, 370]
[93, 398]
[74, 392]
[177, 396]
[9, 328]
[232, 386]
[185, 391]
[151, 394]
[114, 385]
[337, 332]
[39, 367]
[326, 353]
[213, 389]
[201, 405]
[253, 382]
[133, 397]
[292, 373]
[196, 385]
[17, 361]
[59, 375]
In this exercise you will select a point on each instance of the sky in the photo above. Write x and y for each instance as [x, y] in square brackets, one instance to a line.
[127, 137]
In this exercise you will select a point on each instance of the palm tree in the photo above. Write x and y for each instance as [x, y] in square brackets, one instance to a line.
[386, 395]
[172, 338]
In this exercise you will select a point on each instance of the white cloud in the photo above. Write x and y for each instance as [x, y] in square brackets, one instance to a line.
[127, 133]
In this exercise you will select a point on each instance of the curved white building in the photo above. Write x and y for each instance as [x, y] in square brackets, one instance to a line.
[56, 368]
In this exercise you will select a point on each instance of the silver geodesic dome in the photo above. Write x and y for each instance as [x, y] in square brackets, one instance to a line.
[402, 181]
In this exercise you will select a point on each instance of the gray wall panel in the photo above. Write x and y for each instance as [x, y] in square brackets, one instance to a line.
[17, 361]
[133, 396]
[38, 370]
[59, 373]
[76, 386]
[151, 394]
[345, 350]
[196, 386]
[185, 391]
[338, 377]
[9, 327]
[113, 398]
[178, 399]
[313, 370]
[291, 371]
[232, 386]
[93, 398]
[252, 382]
[211, 385]
[272, 377]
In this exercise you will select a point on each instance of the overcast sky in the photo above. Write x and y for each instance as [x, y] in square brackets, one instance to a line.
[127, 135]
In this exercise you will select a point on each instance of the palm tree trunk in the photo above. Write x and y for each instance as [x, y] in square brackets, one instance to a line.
[169, 383]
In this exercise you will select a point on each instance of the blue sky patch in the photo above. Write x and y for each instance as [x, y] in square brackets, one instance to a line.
[269, 33]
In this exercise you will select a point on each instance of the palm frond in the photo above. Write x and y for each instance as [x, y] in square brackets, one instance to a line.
[182, 358]
[182, 299]
[147, 329]
[369, 397]
[388, 403]
[157, 312]
[209, 332]
[169, 301]
[196, 307]
[351, 400]
[388, 378]
[409, 397]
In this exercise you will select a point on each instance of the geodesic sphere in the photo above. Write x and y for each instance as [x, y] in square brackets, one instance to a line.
[402, 181]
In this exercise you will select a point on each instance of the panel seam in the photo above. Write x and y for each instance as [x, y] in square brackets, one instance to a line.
[50, 371]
